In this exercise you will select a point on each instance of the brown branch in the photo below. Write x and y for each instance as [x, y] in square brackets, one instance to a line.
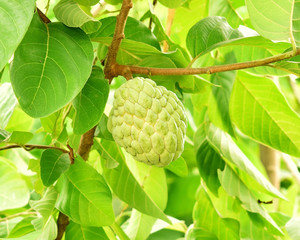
[62, 223]
[29, 147]
[119, 69]
[44, 18]
[86, 142]
[109, 68]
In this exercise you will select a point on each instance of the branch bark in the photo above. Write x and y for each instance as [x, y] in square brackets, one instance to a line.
[109, 68]
[120, 69]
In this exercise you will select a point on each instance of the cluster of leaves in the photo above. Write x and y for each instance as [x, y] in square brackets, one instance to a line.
[54, 90]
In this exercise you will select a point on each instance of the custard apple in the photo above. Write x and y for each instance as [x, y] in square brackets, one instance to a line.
[148, 121]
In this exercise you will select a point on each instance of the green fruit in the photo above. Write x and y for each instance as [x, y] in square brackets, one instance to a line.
[148, 121]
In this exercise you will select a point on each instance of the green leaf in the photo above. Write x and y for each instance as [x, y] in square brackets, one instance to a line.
[22, 228]
[139, 225]
[84, 196]
[200, 233]
[53, 164]
[236, 188]
[75, 231]
[231, 153]
[90, 103]
[259, 110]
[275, 19]
[70, 13]
[218, 108]
[19, 137]
[87, 2]
[208, 32]
[134, 30]
[3, 135]
[131, 192]
[55, 69]
[102, 131]
[205, 216]
[209, 161]
[226, 9]
[54, 123]
[292, 228]
[14, 192]
[7, 103]
[179, 167]
[12, 28]
[46, 205]
[172, 3]
[8, 225]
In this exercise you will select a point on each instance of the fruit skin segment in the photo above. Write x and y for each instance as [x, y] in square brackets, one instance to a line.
[148, 121]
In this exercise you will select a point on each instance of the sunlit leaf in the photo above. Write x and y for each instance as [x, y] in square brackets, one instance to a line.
[205, 214]
[75, 231]
[14, 191]
[12, 28]
[84, 196]
[131, 192]
[208, 32]
[70, 13]
[53, 164]
[266, 20]
[259, 110]
[54, 71]
[7, 103]
[90, 102]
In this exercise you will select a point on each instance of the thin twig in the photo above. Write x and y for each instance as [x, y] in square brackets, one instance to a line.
[116, 41]
[291, 167]
[29, 147]
[119, 69]
[28, 212]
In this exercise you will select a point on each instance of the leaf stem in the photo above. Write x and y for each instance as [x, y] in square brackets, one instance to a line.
[28, 212]
[119, 69]
[29, 147]
[119, 231]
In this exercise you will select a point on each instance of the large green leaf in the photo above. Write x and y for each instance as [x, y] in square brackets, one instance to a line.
[200, 233]
[259, 110]
[227, 10]
[46, 205]
[139, 225]
[12, 28]
[232, 154]
[84, 196]
[131, 192]
[275, 19]
[218, 108]
[134, 30]
[19, 137]
[14, 192]
[7, 103]
[236, 188]
[205, 216]
[70, 13]
[50, 67]
[53, 164]
[90, 103]
[208, 32]
[172, 3]
[75, 231]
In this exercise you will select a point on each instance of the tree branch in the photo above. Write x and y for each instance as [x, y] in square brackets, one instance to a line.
[29, 147]
[62, 223]
[109, 68]
[86, 142]
[120, 69]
